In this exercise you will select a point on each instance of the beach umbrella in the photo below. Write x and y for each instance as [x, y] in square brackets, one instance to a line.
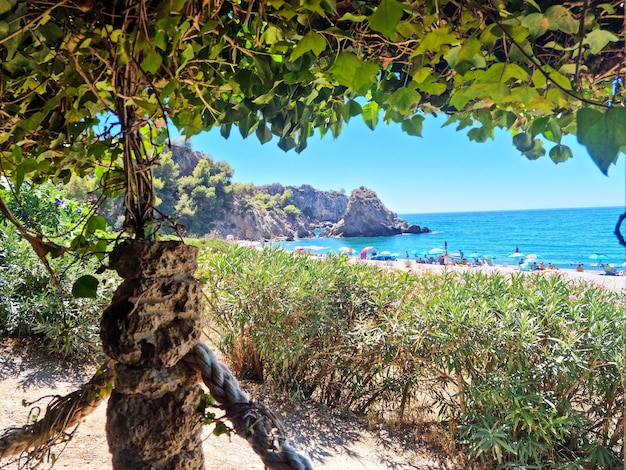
[598, 257]
[436, 251]
[345, 249]
[516, 255]
[364, 251]
[455, 255]
[475, 254]
[385, 252]
[534, 256]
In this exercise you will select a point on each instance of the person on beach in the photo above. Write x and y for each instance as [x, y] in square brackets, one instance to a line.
[579, 268]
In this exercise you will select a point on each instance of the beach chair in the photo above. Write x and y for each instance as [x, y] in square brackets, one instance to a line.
[609, 270]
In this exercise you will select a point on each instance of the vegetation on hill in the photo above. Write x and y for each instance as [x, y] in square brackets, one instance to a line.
[192, 191]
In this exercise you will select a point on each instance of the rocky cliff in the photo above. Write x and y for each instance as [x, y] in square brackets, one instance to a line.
[336, 215]
[367, 216]
[249, 221]
[318, 206]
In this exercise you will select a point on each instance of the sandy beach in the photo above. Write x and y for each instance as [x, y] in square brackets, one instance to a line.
[615, 283]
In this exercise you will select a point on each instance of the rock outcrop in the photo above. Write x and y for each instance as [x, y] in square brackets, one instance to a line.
[253, 222]
[317, 206]
[367, 216]
[329, 213]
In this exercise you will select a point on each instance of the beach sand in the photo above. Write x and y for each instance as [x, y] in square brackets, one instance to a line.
[599, 279]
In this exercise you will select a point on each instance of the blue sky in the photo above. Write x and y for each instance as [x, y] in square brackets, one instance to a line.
[441, 172]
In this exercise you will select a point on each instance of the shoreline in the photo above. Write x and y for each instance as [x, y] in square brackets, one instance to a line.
[599, 279]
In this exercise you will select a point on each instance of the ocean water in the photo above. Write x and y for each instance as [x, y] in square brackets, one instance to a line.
[565, 237]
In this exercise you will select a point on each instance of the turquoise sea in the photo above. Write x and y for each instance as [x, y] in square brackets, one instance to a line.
[565, 237]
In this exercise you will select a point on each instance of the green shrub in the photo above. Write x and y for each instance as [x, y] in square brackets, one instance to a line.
[30, 304]
[525, 369]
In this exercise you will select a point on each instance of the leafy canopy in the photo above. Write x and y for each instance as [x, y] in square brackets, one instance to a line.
[89, 84]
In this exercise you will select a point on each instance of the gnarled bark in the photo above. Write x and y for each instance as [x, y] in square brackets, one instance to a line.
[154, 320]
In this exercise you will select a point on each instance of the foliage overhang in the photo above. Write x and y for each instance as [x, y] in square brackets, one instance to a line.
[90, 84]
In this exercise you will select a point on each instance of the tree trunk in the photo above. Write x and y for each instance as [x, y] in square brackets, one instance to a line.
[154, 319]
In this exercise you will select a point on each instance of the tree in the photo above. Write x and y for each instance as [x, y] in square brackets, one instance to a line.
[164, 177]
[89, 85]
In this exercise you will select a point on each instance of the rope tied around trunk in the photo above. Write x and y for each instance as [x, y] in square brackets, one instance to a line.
[252, 421]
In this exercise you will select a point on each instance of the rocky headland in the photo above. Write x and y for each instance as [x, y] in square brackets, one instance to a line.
[198, 190]
[313, 213]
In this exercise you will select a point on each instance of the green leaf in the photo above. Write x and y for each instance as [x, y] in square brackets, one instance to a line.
[220, 428]
[350, 109]
[523, 141]
[188, 52]
[560, 18]
[353, 73]
[6, 6]
[436, 41]
[263, 133]
[413, 126]
[603, 134]
[560, 153]
[465, 57]
[537, 151]
[286, 143]
[311, 41]
[598, 38]
[225, 130]
[422, 74]
[559, 79]
[96, 222]
[152, 61]
[352, 17]
[85, 287]
[370, 115]
[404, 99]
[386, 17]
[536, 23]
[23, 169]
[480, 134]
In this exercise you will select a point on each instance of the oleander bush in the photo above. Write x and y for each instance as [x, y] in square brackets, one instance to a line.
[527, 371]
[31, 306]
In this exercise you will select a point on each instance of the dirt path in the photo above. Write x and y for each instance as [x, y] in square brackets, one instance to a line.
[330, 441]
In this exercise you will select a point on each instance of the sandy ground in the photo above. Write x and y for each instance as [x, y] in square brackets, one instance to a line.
[616, 283]
[329, 440]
